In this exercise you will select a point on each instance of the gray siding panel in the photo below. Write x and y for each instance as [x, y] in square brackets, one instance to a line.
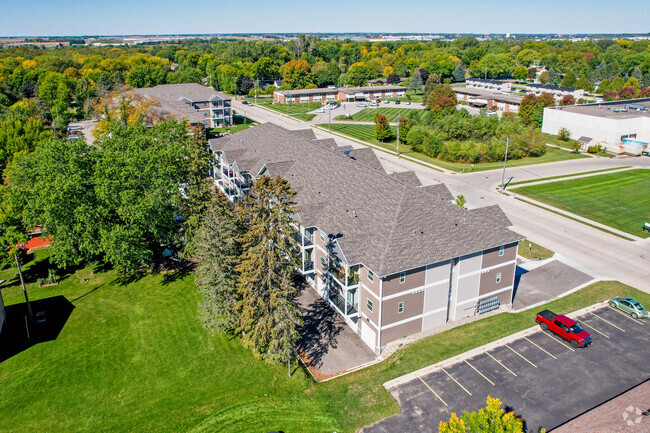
[437, 272]
[470, 263]
[435, 319]
[435, 297]
[399, 331]
[413, 303]
[468, 287]
[491, 257]
[374, 314]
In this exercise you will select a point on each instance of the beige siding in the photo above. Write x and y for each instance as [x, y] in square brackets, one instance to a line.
[470, 263]
[489, 279]
[468, 287]
[412, 279]
[399, 331]
[465, 310]
[435, 297]
[413, 303]
[372, 285]
[437, 272]
[491, 257]
[434, 319]
[374, 314]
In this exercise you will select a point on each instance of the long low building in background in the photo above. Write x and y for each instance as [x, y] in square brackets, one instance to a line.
[558, 92]
[619, 126]
[489, 85]
[393, 257]
[485, 99]
[325, 95]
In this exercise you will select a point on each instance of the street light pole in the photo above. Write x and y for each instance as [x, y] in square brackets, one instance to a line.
[397, 147]
[505, 159]
[329, 122]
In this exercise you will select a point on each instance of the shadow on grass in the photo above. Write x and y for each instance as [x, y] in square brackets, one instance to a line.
[174, 270]
[19, 335]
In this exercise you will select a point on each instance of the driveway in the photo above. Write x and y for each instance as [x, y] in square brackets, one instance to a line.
[545, 282]
[540, 377]
[327, 342]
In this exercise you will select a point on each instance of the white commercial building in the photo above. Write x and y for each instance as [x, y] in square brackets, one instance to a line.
[620, 126]
[491, 85]
[558, 92]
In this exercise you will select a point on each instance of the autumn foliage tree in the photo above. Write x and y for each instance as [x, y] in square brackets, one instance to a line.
[382, 128]
[296, 74]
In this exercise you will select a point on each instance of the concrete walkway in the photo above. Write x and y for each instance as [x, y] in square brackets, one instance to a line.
[328, 345]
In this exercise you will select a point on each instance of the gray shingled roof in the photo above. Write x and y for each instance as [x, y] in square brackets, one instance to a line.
[384, 222]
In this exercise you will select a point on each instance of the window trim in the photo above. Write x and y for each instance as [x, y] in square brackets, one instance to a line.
[501, 250]
[402, 277]
[322, 235]
[369, 305]
[400, 307]
[370, 275]
[498, 277]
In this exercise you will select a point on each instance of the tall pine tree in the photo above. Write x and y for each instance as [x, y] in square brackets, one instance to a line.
[216, 251]
[267, 313]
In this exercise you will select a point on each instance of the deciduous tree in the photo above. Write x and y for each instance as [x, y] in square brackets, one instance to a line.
[490, 419]
[382, 128]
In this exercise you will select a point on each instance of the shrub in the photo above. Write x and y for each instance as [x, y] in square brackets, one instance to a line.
[564, 134]
[596, 148]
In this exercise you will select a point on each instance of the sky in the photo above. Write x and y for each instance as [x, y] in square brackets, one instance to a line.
[146, 17]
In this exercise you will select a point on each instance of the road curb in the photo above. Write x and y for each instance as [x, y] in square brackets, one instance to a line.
[477, 351]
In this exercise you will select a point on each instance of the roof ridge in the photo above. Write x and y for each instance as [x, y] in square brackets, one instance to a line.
[395, 224]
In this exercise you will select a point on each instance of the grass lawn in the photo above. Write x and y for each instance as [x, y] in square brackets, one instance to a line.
[291, 109]
[133, 356]
[619, 200]
[410, 96]
[303, 117]
[567, 175]
[530, 249]
[391, 113]
[367, 133]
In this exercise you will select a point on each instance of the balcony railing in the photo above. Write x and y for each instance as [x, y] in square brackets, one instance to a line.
[340, 303]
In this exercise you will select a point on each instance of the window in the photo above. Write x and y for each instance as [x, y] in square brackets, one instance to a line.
[322, 236]
[400, 308]
[371, 275]
[499, 277]
[501, 250]
[368, 304]
[402, 277]
[322, 261]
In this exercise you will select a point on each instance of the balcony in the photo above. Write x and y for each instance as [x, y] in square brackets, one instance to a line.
[303, 241]
[344, 307]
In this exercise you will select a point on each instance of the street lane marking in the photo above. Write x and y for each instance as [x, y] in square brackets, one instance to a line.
[479, 373]
[540, 348]
[629, 317]
[457, 383]
[499, 362]
[558, 341]
[591, 327]
[434, 393]
[607, 321]
[520, 355]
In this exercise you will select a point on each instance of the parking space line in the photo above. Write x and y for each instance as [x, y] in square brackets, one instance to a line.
[457, 383]
[499, 362]
[521, 356]
[492, 383]
[540, 348]
[558, 341]
[607, 321]
[591, 327]
[434, 393]
[625, 315]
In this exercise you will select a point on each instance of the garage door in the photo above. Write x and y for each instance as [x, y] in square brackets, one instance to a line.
[368, 335]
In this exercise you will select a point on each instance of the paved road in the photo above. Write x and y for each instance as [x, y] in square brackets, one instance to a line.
[539, 377]
[592, 251]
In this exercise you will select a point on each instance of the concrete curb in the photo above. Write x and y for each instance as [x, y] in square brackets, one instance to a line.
[477, 351]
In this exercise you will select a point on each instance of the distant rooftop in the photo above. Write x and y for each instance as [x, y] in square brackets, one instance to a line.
[628, 109]
[485, 80]
[346, 90]
[549, 87]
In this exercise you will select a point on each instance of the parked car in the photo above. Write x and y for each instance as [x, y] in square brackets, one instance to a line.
[630, 306]
[491, 113]
[320, 110]
[408, 102]
[378, 101]
[361, 104]
[335, 105]
[386, 101]
[245, 102]
[564, 327]
[397, 102]
[646, 152]
[373, 104]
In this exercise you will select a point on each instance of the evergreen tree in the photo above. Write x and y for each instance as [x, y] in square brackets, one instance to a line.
[636, 73]
[382, 129]
[216, 252]
[416, 82]
[431, 82]
[267, 313]
[553, 77]
[570, 79]
[459, 73]
[583, 83]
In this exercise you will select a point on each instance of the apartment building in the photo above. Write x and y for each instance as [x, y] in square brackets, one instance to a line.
[325, 95]
[558, 92]
[486, 99]
[490, 85]
[192, 102]
[392, 257]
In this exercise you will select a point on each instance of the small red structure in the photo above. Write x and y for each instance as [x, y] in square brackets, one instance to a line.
[36, 240]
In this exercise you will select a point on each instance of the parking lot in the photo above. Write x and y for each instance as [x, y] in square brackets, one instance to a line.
[540, 377]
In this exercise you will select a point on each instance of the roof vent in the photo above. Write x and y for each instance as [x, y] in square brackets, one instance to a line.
[346, 152]
[464, 220]
[354, 213]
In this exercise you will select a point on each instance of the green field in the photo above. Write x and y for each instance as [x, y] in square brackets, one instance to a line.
[619, 200]
[291, 109]
[367, 133]
[391, 113]
[511, 184]
[133, 356]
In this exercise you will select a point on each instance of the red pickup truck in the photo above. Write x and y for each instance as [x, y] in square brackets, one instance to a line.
[564, 327]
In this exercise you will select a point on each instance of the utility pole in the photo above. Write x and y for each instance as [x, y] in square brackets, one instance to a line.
[235, 79]
[22, 282]
[505, 159]
[397, 147]
[329, 122]
[256, 84]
